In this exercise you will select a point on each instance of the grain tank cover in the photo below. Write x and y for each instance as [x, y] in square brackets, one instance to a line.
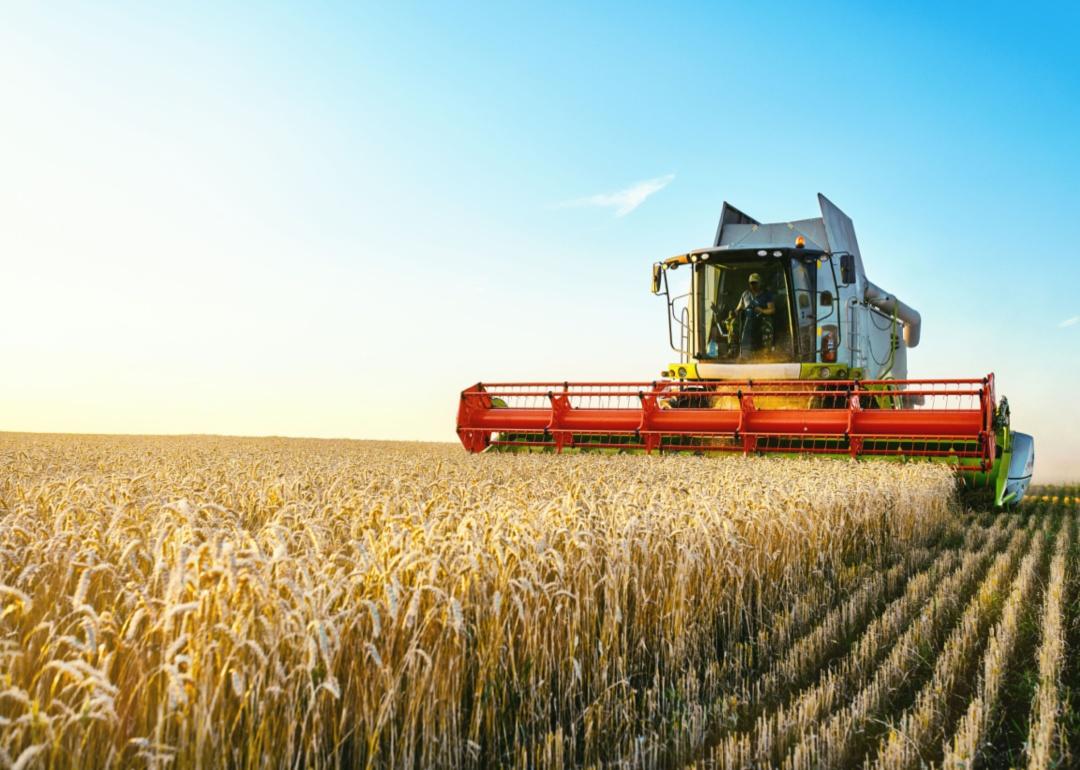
[840, 235]
[833, 231]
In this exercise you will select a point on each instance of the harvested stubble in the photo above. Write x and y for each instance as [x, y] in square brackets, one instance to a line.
[1044, 742]
[928, 601]
[277, 603]
[840, 740]
[927, 720]
[980, 672]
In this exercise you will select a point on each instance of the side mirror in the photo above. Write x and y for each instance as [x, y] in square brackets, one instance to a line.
[826, 299]
[657, 272]
[847, 269]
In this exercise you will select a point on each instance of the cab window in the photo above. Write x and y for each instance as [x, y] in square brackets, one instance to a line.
[730, 330]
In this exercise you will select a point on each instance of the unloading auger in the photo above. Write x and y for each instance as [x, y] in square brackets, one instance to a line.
[785, 346]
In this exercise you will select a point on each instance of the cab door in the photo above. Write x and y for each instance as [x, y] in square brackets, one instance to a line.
[804, 309]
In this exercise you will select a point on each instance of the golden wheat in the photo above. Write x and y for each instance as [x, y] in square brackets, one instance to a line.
[199, 601]
[204, 602]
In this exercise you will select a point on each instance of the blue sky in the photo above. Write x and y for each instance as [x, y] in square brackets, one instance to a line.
[328, 219]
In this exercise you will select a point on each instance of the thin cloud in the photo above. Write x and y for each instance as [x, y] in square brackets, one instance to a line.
[624, 201]
[1069, 322]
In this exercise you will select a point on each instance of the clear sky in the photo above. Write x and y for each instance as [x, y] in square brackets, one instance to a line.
[327, 219]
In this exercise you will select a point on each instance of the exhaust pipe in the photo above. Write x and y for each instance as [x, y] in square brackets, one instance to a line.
[888, 303]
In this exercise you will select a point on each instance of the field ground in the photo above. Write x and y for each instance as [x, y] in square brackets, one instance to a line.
[205, 602]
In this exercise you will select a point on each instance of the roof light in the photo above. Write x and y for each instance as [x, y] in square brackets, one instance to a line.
[800, 241]
[776, 253]
[703, 257]
[763, 253]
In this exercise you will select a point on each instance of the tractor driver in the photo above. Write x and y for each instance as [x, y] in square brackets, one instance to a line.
[755, 303]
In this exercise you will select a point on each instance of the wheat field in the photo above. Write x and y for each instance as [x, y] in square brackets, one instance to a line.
[198, 602]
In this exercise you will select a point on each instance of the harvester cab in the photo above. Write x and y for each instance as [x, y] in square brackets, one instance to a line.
[828, 320]
[784, 346]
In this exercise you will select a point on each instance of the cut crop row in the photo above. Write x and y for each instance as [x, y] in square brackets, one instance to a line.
[816, 649]
[929, 603]
[1044, 744]
[843, 737]
[970, 736]
[910, 741]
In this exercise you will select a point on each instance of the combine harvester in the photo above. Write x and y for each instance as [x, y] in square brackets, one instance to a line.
[785, 347]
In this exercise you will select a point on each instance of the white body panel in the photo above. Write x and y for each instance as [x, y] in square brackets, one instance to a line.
[710, 371]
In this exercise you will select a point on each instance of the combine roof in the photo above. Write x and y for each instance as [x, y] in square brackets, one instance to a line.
[833, 231]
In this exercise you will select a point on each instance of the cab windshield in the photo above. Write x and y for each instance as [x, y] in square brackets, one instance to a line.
[756, 309]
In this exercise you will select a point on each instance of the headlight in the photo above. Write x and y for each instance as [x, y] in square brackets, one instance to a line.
[682, 372]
